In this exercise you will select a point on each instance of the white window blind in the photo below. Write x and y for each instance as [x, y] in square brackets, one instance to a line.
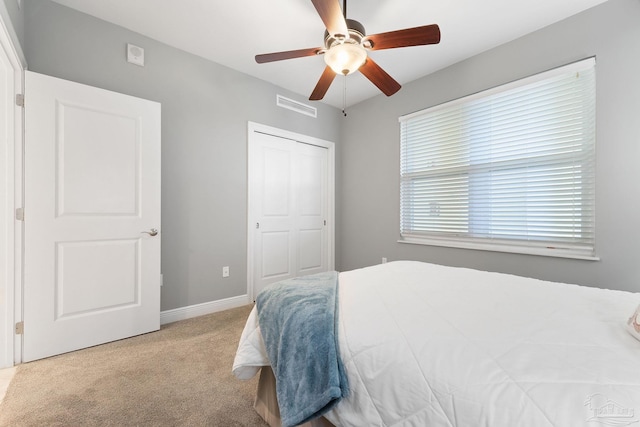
[508, 169]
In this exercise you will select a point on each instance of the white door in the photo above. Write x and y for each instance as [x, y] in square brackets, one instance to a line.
[290, 203]
[92, 199]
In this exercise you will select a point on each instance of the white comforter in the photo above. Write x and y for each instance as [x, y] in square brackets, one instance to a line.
[427, 345]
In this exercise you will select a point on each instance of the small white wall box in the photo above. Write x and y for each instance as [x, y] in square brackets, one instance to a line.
[135, 54]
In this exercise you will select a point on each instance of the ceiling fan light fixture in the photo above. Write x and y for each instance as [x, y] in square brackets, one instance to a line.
[346, 44]
[345, 58]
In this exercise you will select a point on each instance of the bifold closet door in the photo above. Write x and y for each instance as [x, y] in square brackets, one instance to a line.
[290, 182]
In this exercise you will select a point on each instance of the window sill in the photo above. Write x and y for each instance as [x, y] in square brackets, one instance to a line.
[505, 248]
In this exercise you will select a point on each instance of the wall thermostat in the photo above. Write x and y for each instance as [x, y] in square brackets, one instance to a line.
[135, 54]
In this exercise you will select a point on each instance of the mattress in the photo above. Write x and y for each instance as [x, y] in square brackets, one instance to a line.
[428, 345]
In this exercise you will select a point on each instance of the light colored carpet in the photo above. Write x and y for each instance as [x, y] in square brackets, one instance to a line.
[178, 376]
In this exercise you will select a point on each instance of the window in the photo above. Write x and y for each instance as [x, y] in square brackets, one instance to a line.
[509, 169]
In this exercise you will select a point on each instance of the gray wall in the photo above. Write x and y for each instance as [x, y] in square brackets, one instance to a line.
[206, 107]
[370, 184]
[205, 110]
[13, 14]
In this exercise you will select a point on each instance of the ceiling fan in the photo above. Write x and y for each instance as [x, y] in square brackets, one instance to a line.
[346, 47]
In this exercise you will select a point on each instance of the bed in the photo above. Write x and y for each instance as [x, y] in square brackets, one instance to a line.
[429, 345]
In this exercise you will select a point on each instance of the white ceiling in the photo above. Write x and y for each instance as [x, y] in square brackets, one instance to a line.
[233, 32]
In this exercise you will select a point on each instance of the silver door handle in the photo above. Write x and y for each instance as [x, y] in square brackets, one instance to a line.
[153, 232]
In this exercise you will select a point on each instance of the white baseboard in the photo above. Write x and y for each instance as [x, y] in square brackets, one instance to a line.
[183, 313]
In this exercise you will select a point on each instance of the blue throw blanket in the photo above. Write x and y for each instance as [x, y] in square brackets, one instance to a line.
[298, 322]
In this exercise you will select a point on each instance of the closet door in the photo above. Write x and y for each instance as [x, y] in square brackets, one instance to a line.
[290, 207]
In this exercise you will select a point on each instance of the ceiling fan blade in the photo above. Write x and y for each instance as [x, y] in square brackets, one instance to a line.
[323, 84]
[418, 36]
[331, 14]
[289, 54]
[379, 77]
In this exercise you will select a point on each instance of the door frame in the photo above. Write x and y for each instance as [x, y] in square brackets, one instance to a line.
[254, 128]
[11, 244]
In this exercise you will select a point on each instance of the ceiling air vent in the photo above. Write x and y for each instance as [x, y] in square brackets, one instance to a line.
[296, 106]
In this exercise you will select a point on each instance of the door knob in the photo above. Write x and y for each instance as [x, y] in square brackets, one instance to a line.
[153, 232]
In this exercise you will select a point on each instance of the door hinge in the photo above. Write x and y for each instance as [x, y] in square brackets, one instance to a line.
[325, 222]
[20, 100]
[19, 328]
[20, 214]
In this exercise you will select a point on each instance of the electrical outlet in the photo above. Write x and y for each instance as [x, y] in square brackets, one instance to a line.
[384, 260]
[225, 271]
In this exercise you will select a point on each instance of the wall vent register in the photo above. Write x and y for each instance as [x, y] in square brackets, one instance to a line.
[296, 106]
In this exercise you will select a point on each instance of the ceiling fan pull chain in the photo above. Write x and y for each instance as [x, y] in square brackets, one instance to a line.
[344, 95]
